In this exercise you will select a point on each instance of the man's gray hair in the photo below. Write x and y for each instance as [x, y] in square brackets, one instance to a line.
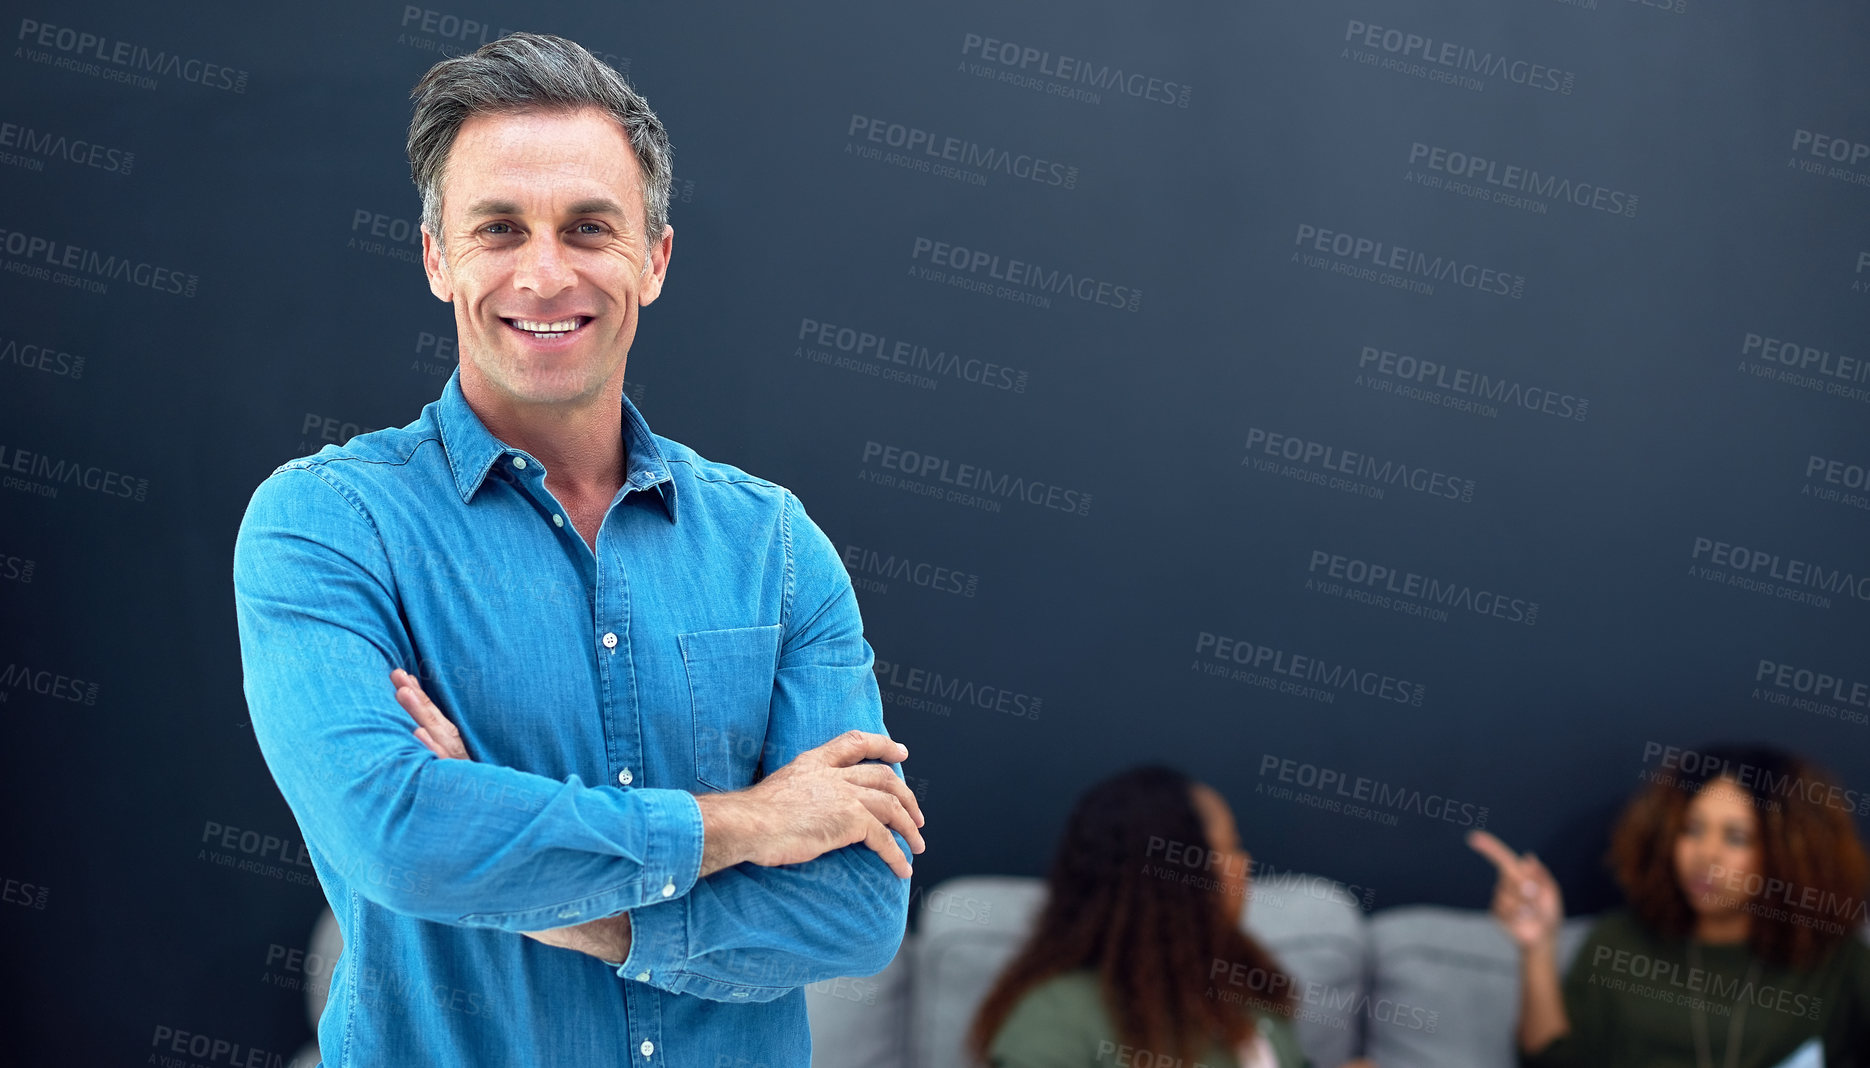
[518, 72]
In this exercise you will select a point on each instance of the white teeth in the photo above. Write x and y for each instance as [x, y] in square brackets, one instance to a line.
[536, 327]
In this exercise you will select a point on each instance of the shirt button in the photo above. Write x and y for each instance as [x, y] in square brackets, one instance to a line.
[668, 890]
[625, 777]
[610, 641]
[647, 1047]
[558, 520]
[519, 463]
[642, 977]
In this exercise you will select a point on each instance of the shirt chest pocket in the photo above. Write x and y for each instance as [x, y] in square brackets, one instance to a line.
[730, 690]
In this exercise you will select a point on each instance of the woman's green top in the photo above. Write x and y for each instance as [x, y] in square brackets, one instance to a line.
[1637, 999]
[1061, 1023]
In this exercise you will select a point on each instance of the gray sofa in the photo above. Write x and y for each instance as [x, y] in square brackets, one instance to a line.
[1412, 987]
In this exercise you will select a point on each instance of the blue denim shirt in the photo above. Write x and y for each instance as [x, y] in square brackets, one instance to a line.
[713, 634]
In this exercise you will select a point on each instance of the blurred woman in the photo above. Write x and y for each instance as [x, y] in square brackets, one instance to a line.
[1745, 883]
[1117, 968]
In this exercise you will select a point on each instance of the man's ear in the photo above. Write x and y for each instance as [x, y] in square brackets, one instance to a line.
[432, 265]
[658, 267]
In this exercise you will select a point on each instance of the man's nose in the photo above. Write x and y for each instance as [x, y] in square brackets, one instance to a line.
[543, 269]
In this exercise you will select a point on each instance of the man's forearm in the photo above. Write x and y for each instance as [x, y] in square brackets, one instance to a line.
[607, 939]
[725, 831]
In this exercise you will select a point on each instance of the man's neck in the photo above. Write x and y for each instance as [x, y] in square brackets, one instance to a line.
[581, 447]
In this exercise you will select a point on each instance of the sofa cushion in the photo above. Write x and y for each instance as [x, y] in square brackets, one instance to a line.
[862, 1023]
[972, 926]
[1318, 932]
[1444, 987]
[970, 929]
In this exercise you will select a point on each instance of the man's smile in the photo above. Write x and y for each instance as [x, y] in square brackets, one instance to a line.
[548, 330]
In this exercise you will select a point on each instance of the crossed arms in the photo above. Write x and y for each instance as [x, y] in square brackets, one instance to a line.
[473, 844]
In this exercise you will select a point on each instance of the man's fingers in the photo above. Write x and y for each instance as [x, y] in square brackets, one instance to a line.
[891, 813]
[422, 735]
[855, 747]
[884, 844]
[446, 740]
[882, 779]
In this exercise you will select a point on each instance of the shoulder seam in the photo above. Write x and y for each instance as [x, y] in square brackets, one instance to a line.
[754, 480]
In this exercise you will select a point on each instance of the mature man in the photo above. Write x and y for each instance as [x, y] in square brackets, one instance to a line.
[655, 661]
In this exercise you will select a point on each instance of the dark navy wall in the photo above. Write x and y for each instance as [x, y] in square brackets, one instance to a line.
[1402, 415]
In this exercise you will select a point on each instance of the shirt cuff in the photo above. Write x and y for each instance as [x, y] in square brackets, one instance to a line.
[671, 862]
[659, 928]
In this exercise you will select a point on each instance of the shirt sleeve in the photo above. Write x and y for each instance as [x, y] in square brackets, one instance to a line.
[751, 933]
[451, 841]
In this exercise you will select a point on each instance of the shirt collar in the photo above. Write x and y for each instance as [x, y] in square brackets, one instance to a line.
[472, 450]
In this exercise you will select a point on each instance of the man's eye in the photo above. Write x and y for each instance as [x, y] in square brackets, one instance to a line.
[498, 229]
[591, 229]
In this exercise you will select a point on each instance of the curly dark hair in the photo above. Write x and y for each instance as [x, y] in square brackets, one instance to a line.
[1812, 865]
[1153, 941]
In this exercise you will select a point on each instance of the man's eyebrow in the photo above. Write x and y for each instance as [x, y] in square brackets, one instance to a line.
[492, 207]
[597, 206]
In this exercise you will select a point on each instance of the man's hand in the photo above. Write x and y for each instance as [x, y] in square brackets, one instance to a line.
[607, 939]
[827, 798]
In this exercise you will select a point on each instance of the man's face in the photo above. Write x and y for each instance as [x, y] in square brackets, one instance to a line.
[546, 263]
